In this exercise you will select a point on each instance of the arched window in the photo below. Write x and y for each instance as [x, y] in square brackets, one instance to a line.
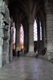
[35, 30]
[40, 31]
[21, 37]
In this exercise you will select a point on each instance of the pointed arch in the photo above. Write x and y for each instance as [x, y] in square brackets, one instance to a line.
[35, 30]
[21, 37]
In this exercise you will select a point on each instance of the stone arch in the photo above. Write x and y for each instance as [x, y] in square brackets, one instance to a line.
[41, 17]
[26, 10]
[26, 34]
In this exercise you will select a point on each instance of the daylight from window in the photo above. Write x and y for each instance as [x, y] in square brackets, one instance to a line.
[40, 31]
[35, 30]
[21, 37]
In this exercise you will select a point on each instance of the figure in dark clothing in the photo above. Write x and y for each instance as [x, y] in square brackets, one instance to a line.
[18, 53]
[43, 52]
[14, 52]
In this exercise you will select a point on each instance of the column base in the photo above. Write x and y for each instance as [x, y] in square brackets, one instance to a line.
[49, 55]
[31, 54]
[7, 58]
[17, 48]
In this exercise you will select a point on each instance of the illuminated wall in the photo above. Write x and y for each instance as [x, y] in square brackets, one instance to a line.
[13, 30]
[40, 31]
[35, 30]
[21, 37]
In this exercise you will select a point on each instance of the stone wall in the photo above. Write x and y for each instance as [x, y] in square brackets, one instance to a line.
[49, 25]
[4, 33]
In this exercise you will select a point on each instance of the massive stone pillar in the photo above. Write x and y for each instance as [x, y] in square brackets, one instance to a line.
[38, 30]
[26, 40]
[1, 41]
[31, 37]
[17, 36]
[2, 10]
[11, 43]
[49, 25]
[4, 33]
[44, 34]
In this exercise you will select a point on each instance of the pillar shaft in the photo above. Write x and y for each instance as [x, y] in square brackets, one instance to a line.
[38, 30]
[49, 24]
[26, 41]
[49, 34]
[31, 36]
[11, 45]
[17, 37]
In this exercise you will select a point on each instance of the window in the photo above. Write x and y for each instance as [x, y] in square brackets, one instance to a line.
[21, 37]
[40, 31]
[35, 31]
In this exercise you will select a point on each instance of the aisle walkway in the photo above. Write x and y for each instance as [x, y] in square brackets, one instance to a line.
[25, 68]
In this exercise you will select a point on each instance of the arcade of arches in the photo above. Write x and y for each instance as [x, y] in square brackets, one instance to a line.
[26, 25]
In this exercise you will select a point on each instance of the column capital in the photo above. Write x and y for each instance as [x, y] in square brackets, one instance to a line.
[31, 20]
[17, 26]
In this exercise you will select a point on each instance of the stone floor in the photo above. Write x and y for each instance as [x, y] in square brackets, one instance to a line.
[27, 68]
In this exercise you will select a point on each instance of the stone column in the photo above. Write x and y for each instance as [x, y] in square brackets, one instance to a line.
[44, 34]
[26, 39]
[2, 10]
[49, 25]
[31, 37]
[38, 30]
[11, 44]
[1, 40]
[17, 36]
[1, 47]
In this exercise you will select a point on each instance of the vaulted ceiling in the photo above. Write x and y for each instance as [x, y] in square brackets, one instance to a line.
[24, 8]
